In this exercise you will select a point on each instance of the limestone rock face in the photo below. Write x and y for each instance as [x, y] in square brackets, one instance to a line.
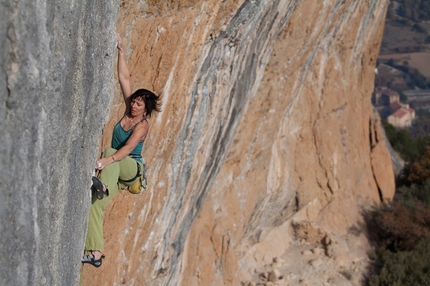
[56, 79]
[267, 141]
[267, 146]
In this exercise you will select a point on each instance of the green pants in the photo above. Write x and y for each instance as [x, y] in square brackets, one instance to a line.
[111, 176]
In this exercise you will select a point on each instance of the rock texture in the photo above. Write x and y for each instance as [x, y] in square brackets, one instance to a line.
[267, 145]
[56, 78]
[265, 154]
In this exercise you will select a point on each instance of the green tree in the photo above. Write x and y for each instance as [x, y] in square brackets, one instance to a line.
[403, 141]
[405, 145]
[419, 171]
[415, 10]
[404, 267]
[403, 97]
[420, 128]
[418, 28]
[410, 195]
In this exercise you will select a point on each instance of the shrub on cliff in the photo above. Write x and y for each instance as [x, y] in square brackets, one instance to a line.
[402, 141]
[403, 267]
[418, 171]
[400, 232]
[421, 193]
[400, 224]
[421, 126]
[410, 144]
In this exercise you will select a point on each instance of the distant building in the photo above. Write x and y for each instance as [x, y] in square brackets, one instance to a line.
[396, 106]
[402, 117]
[390, 107]
[384, 96]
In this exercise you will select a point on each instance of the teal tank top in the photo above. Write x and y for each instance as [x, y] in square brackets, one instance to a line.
[120, 137]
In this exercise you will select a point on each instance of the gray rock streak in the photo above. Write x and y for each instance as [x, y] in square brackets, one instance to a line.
[249, 54]
[55, 85]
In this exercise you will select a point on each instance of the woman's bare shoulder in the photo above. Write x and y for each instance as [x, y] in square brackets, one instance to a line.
[142, 126]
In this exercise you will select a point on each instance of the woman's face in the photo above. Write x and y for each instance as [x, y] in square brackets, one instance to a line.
[137, 107]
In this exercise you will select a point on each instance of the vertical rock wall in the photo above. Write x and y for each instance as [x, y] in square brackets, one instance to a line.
[266, 145]
[56, 81]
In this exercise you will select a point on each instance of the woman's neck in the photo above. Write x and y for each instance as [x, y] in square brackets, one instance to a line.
[136, 118]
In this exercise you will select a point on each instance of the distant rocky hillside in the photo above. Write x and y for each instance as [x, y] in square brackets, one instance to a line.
[267, 146]
[407, 27]
[415, 10]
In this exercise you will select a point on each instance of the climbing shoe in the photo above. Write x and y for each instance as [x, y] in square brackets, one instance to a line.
[89, 258]
[99, 188]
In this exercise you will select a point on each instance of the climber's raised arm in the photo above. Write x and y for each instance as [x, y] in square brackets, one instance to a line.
[123, 74]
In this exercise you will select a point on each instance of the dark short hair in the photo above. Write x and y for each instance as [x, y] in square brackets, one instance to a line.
[152, 101]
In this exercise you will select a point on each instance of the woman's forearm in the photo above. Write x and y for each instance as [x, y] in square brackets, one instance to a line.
[118, 156]
[122, 153]
[123, 72]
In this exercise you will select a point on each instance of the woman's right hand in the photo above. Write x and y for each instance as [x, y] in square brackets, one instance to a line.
[119, 42]
[103, 162]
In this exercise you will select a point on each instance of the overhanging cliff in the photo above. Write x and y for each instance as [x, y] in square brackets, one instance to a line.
[266, 146]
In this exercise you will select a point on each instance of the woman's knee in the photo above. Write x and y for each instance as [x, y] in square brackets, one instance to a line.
[109, 152]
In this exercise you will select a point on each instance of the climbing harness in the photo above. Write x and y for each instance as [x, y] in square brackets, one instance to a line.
[142, 183]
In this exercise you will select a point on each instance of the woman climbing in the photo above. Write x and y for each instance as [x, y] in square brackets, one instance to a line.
[121, 165]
